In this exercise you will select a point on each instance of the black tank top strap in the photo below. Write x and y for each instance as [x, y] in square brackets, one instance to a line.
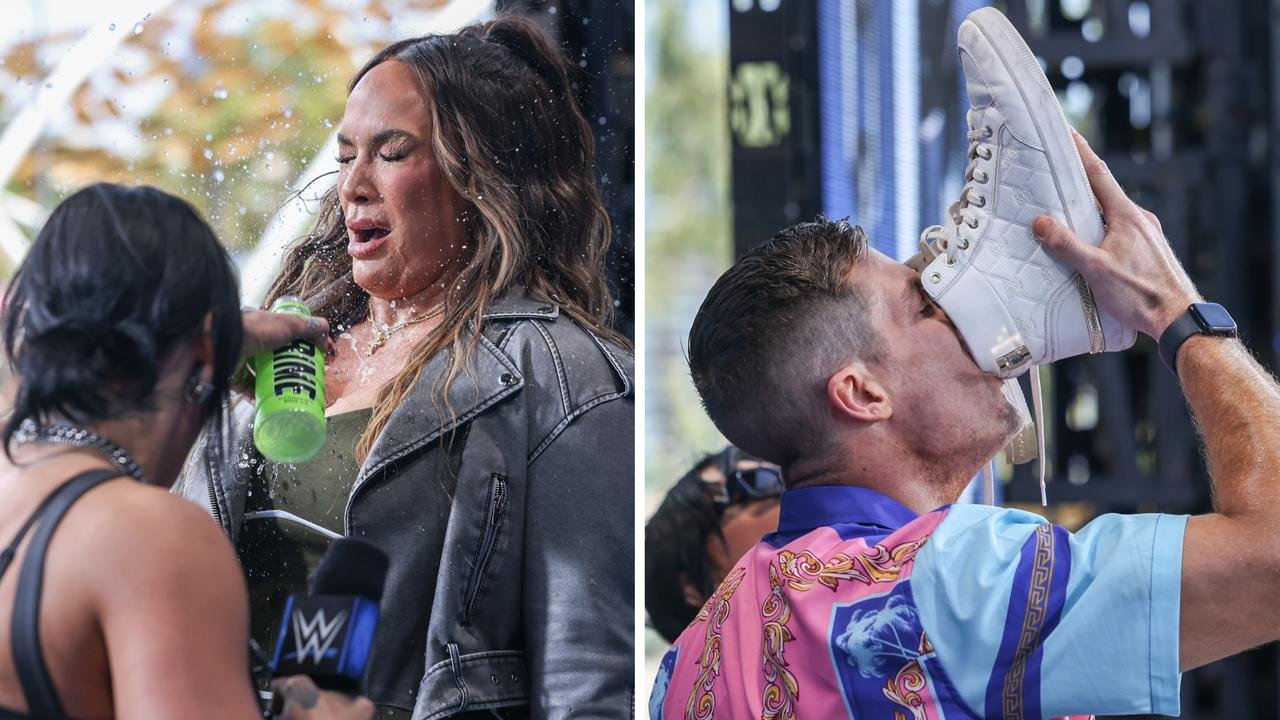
[28, 658]
[7, 555]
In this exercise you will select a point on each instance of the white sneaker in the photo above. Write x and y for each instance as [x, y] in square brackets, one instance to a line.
[1015, 305]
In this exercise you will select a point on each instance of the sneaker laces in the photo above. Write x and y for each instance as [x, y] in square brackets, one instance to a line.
[1038, 409]
[950, 239]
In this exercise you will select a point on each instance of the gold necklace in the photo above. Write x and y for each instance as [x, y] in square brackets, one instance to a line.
[382, 333]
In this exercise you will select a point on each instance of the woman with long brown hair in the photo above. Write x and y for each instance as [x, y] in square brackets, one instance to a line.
[479, 406]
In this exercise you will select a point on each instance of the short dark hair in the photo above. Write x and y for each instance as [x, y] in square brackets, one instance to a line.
[115, 277]
[772, 330]
[675, 543]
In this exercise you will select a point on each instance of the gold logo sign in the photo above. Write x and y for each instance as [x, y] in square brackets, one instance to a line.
[759, 113]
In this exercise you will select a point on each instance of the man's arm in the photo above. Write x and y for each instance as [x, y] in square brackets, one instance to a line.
[1231, 559]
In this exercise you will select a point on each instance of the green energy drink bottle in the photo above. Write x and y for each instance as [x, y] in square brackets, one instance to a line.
[290, 426]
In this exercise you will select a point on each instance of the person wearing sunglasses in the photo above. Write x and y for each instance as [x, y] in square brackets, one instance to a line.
[710, 517]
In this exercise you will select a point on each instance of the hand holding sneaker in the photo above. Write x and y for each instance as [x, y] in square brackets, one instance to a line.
[1133, 273]
[1016, 306]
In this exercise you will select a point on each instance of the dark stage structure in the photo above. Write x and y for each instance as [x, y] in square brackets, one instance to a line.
[600, 36]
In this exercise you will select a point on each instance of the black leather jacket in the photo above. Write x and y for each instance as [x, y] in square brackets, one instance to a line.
[512, 566]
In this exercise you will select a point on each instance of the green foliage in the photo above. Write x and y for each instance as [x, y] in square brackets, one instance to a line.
[242, 98]
[688, 228]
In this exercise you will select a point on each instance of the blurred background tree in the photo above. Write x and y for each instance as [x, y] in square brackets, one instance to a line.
[687, 228]
[223, 102]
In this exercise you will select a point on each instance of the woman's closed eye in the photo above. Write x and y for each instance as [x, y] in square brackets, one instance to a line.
[395, 152]
[388, 156]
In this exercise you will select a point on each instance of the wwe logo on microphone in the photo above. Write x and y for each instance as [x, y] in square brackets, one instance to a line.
[313, 638]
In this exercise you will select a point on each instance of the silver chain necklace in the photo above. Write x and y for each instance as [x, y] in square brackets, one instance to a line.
[67, 434]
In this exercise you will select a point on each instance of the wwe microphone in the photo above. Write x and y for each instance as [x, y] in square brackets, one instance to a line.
[327, 634]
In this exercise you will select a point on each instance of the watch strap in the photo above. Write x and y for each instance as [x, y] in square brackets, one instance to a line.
[1179, 331]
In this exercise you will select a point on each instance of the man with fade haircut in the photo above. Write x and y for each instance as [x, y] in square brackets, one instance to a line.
[876, 597]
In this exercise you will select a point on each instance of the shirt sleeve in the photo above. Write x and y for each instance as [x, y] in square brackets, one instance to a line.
[1028, 619]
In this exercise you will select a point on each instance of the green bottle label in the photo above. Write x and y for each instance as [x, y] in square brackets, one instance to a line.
[290, 426]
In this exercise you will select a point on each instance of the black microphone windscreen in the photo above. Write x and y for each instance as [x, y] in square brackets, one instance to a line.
[351, 567]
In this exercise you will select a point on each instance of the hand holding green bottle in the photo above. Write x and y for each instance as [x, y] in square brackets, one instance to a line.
[289, 425]
[265, 330]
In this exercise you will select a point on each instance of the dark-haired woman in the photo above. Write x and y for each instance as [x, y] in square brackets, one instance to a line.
[122, 328]
[480, 409]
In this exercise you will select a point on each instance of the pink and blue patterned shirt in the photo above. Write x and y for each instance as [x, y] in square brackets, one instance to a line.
[857, 607]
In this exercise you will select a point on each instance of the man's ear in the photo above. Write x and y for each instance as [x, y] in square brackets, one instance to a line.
[854, 393]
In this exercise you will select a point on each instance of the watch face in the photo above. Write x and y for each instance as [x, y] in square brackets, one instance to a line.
[1214, 318]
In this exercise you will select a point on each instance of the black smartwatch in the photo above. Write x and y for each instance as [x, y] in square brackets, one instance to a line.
[1199, 319]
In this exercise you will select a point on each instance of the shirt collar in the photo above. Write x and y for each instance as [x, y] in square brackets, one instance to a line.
[807, 508]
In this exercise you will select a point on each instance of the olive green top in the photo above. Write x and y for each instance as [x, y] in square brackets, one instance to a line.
[279, 555]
